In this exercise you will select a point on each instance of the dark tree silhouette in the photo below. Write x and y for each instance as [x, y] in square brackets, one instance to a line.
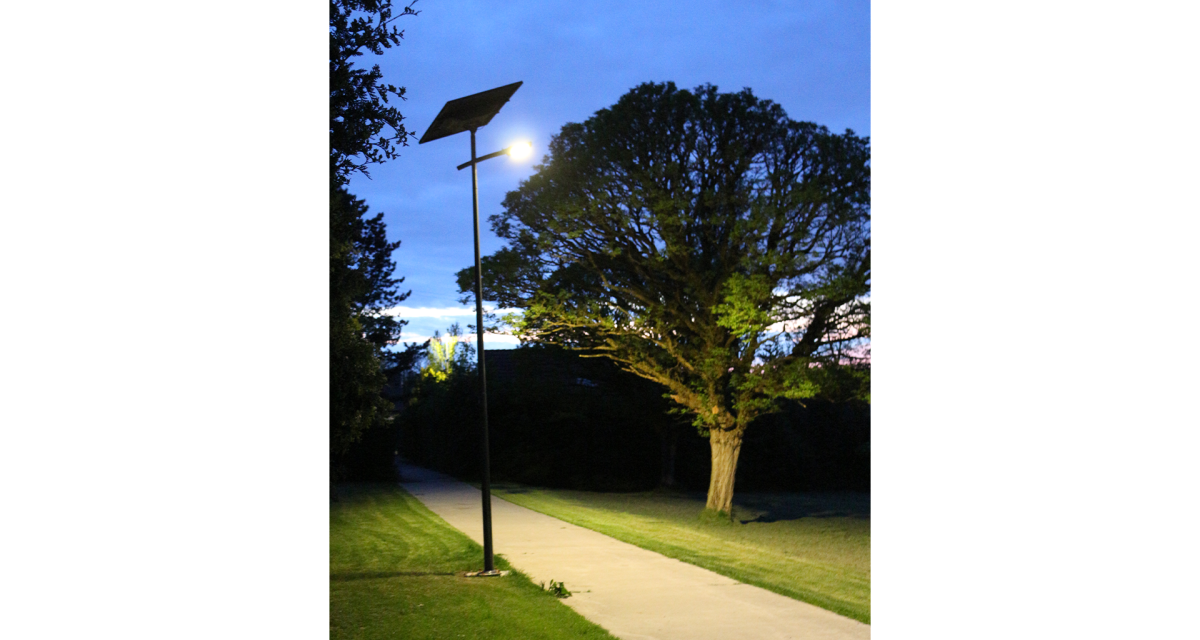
[364, 129]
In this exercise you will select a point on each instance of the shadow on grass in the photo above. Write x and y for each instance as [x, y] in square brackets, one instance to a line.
[777, 507]
[374, 575]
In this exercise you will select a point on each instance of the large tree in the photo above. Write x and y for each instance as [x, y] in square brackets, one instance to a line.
[362, 287]
[701, 240]
[364, 129]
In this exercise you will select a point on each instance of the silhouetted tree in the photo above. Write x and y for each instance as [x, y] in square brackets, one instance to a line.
[361, 282]
[361, 288]
[359, 108]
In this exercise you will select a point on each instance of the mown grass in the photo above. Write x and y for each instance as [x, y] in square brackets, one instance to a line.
[395, 571]
[811, 547]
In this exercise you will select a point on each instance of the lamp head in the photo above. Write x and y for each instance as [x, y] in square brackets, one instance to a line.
[520, 150]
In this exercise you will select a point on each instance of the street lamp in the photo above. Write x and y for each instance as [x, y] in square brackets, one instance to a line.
[468, 114]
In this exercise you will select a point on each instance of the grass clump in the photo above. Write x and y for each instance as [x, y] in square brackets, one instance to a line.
[812, 547]
[395, 571]
[715, 517]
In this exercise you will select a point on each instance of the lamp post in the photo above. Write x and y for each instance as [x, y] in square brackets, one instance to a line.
[468, 114]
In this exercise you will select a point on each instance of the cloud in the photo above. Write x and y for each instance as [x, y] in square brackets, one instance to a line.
[488, 338]
[441, 312]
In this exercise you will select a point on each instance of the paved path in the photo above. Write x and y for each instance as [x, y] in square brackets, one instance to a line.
[633, 593]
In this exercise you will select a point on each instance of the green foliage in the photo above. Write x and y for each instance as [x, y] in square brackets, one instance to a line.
[447, 356]
[701, 240]
[361, 288]
[440, 359]
[355, 381]
[557, 589]
[359, 108]
[746, 309]
[362, 270]
[361, 282]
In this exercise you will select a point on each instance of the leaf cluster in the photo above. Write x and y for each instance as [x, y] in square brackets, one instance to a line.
[447, 356]
[362, 271]
[360, 112]
[557, 589]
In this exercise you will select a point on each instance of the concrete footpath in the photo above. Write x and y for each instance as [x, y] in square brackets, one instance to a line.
[633, 593]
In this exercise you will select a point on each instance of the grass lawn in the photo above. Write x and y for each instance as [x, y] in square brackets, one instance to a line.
[395, 571]
[812, 547]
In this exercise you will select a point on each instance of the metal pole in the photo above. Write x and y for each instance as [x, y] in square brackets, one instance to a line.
[486, 485]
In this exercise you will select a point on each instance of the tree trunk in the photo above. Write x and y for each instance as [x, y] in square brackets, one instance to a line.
[726, 445]
[670, 438]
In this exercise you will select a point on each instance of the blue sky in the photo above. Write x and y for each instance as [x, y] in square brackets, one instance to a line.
[575, 58]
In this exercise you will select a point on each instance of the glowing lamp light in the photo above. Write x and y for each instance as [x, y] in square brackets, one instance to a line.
[520, 150]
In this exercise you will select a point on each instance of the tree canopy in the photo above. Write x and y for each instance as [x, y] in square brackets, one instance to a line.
[361, 271]
[360, 112]
[702, 240]
[362, 287]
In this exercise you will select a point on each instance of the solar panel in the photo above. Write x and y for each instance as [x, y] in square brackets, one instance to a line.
[470, 112]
